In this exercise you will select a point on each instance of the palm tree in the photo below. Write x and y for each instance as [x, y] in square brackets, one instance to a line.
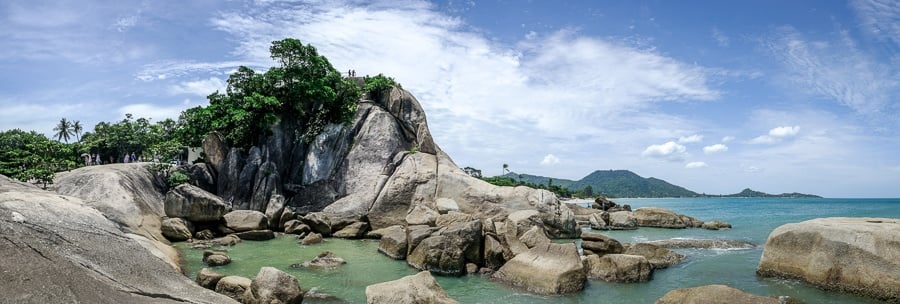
[76, 127]
[505, 169]
[63, 130]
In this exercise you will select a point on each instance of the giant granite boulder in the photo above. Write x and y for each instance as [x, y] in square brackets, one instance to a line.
[60, 249]
[273, 286]
[658, 217]
[856, 255]
[418, 288]
[618, 268]
[547, 268]
[448, 250]
[714, 294]
[194, 204]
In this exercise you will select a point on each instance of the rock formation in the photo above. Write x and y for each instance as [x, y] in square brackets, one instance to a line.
[856, 255]
[618, 268]
[273, 286]
[548, 268]
[713, 294]
[418, 288]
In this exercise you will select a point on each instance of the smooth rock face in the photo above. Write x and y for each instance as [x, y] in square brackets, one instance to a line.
[216, 150]
[394, 243]
[353, 231]
[233, 286]
[273, 286]
[246, 220]
[208, 278]
[421, 215]
[658, 217]
[657, 256]
[194, 204]
[418, 288]
[48, 257]
[713, 294]
[856, 255]
[618, 268]
[600, 244]
[177, 229]
[545, 269]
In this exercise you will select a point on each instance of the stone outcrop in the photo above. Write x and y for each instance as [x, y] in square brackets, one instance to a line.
[255, 235]
[715, 225]
[312, 239]
[658, 257]
[61, 249]
[618, 268]
[713, 294]
[233, 286]
[216, 258]
[208, 278]
[447, 251]
[273, 286]
[394, 243]
[600, 244]
[246, 220]
[418, 288]
[353, 231]
[855, 255]
[194, 204]
[622, 220]
[548, 268]
[177, 229]
[679, 243]
[658, 217]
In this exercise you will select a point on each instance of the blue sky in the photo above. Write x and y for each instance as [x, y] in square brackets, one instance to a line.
[714, 96]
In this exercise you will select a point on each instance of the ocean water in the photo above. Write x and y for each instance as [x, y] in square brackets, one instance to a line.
[752, 218]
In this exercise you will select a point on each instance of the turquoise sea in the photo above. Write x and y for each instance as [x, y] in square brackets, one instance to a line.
[753, 219]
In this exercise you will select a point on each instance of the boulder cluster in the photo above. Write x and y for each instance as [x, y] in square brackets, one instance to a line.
[607, 215]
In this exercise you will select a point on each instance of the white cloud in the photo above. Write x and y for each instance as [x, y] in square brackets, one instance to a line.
[202, 87]
[727, 139]
[550, 159]
[715, 149]
[720, 37]
[690, 139]
[671, 151]
[694, 165]
[776, 135]
[880, 18]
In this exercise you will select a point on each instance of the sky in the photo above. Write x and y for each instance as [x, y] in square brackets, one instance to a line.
[714, 96]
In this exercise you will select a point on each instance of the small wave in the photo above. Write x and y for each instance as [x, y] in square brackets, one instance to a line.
[715, 244]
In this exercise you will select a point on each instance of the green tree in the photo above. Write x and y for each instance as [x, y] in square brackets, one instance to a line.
[376, 86]
[77, 128]
[63, 130]
[32, 157]
[588, 191]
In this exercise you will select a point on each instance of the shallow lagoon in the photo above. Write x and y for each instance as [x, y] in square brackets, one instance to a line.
[753, 219]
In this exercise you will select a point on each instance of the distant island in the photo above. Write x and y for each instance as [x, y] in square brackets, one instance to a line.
[624, 183]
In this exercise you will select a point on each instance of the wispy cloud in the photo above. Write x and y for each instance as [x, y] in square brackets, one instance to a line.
[201, 87]
[713, 149]
[879, 18]
[695, 165]
[690, 139]
[776, 135]
[720, 37]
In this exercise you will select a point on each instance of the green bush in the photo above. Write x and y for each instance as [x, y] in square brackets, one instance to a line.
[176, 178]
[377, 85]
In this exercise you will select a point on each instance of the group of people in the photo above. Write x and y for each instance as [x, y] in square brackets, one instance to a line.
[94, 159]
[351, 73]
[132, 158]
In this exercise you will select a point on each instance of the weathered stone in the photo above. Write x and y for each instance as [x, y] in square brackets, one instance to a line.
[618, 268]
[255, 235]
[194, 204]
[246, 220]
[267, 183]
[599, 220]
[447, 250]
[202, 175]
[534, 237]
[325, 260]
[204, 234]
[446, 205]
[228, 240]
[217, 259]
[273, 286]
[353, 231]
[208, 278]
[691, 221]
[177, 229]
[233, 286]
[377, 234]
[545, 269]
[716, 225]
[418, 288]
[600, 244]
[296, 227]
[856, 255]
[713, 294]
[229, 175]
[216, 150]
[451, 218]
[247, 180]
[493, 253]
[274, 210]
[421, 215]
[394, 243]
[622, 220]
[657, 256]
[471, 268]
[678, 243]
[658, 217]
[312, 239]
[415, 235]
[318, 222]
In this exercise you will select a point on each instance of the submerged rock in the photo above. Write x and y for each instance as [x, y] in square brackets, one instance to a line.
[716, 225]
[713, 294]
[856, 255]
[658, 257]
[325, 260]
[418, 288]
[548, 268]
[312, 239]
[703, 244]
[216, 258]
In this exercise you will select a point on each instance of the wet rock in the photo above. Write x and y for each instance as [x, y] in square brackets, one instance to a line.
[194, 204]
[312, 239]
[394, 243]
[716, 225]
[713, 294]
[600, 244]
[353, 231]
[678, 243]
[296, 227]
[228, 240]
[325, 260]
[618, 268]
[204, 234]
[233, 286]
[658, 217]
[256, 235]
[419, 288]
[318, 222]
[657, 256]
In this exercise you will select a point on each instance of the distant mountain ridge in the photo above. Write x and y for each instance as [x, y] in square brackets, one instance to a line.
[624, 183]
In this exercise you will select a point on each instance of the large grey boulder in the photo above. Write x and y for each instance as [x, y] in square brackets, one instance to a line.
[274, 210]
[216, 150]
[421, 215]
[622, 220]
[533, 237]
[418, 288]
[229, 174]
[353, 231]
[177, 229]
[658, 257]
[713, 294]
[194, 204]
[618, 268]
[394, 243]
[548, 268]
[448, 250]
[50, 258]
[600, 244]
[658, 217]
[233, 287]
[246, 220]
[856, 255]
[273, 286]
[208, 278]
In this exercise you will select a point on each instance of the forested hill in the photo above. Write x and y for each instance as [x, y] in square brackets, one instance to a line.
[613, 183]
[624, 183]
